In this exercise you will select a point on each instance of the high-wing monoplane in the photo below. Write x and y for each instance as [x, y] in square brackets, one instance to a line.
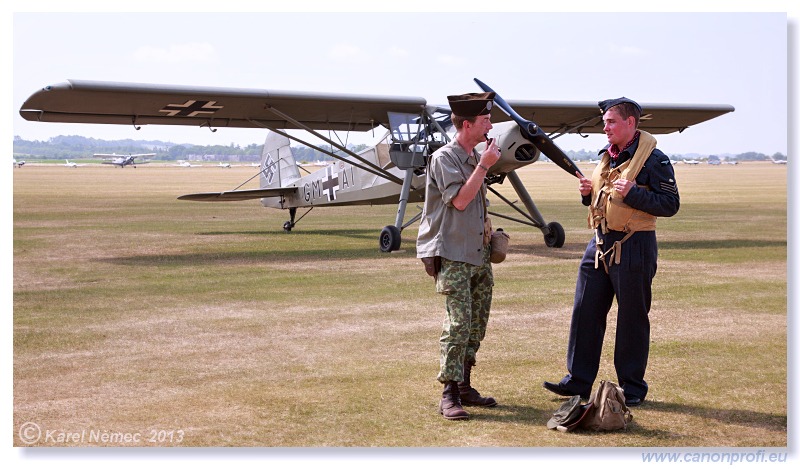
[124, 160]
[390, 172]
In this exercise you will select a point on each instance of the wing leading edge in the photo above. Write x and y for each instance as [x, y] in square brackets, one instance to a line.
[81, 101]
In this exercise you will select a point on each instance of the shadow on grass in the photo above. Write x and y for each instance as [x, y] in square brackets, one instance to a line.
[720, 244]
[517, 414]
[344, 233]
[219, 258]
[745, 417]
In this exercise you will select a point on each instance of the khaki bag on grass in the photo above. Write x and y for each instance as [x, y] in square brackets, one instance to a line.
[608, 411]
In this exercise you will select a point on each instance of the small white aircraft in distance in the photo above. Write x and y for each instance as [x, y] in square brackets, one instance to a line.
[777, 161]
[391, 172]
[186, 164]
[18, 164]
[69, 164]
[691, 161]
[124, 160]
[222, 164]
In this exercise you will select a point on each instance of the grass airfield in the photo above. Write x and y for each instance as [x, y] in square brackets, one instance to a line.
[205, 324]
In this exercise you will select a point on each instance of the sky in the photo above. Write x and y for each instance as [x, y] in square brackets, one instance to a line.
[711, 58]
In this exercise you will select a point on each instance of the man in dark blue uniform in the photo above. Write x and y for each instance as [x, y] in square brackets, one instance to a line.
[632, 186]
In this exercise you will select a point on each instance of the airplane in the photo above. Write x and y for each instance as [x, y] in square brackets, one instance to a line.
[71, 165]
[224, 165]
[18, 164]
[777, 161]
[691, 162]
[390, 172]
[124, 160]
[186, 164]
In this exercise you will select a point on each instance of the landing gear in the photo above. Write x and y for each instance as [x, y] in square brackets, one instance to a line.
[554, 237]
[390, 238]
[287, 227]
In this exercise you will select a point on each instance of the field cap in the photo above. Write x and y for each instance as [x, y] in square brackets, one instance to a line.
[584, 411]
[569, 412]
[471, 104]
[609, 103]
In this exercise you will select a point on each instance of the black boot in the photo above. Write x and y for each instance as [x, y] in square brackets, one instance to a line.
[470, 395]
[450, 405]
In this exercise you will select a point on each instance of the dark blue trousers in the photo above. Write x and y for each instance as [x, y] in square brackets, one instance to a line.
[630, 283]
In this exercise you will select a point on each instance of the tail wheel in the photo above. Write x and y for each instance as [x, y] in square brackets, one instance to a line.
[390, 238]
[555, 236]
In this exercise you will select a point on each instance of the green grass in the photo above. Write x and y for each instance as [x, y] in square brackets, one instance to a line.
[134, 311]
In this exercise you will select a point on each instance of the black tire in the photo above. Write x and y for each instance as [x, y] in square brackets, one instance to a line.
[287, 227]
[390, 238]
[555, 238]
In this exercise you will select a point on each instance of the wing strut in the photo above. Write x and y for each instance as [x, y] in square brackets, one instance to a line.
[375, 169]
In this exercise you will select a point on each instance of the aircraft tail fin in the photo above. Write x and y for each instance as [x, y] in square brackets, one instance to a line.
[278, 167]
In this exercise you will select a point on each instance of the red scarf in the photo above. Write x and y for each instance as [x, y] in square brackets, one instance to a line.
[614, 150]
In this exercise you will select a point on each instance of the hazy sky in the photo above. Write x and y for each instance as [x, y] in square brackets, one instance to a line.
[715, 58]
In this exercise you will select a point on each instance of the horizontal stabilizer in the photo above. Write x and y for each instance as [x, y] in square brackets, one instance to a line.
[232, 196]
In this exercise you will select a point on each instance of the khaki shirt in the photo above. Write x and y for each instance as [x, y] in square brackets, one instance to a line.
[444, 230]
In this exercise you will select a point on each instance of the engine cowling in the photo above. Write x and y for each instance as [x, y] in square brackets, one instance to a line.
[515, 150]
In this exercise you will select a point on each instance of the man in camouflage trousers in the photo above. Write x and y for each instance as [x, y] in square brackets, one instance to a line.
[455, 250]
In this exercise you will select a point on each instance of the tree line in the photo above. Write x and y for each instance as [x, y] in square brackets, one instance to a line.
[78, 147]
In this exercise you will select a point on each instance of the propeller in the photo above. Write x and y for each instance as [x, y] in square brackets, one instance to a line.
[534, 133]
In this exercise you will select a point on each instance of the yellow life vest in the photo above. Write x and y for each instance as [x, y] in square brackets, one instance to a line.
[607, 210]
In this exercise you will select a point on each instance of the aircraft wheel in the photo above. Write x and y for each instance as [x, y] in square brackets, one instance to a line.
[287, 227]
[555, 238]
[390, 238]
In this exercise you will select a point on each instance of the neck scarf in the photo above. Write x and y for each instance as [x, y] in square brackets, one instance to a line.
[614, 150]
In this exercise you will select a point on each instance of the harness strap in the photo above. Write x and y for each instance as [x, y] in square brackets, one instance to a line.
[615, 251]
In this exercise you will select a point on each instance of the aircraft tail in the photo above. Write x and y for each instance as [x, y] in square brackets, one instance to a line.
[278, 167]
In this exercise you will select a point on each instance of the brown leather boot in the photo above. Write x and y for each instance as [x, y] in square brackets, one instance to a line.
[450, 405]
[471, 396]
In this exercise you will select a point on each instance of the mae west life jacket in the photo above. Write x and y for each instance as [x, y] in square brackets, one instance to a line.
[607, 211]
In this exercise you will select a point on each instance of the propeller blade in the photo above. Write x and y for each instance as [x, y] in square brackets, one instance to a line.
[532, 132]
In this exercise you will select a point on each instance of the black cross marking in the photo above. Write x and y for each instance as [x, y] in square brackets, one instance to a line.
[191, 108]
[330, 185]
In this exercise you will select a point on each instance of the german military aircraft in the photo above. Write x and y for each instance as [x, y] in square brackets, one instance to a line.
[124, 160]
[391, 172]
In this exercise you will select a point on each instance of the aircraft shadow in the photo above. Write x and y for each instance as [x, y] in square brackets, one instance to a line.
[344, 233]
[720, 244]
[217, 258]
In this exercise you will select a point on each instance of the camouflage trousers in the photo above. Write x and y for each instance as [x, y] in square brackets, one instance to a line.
[468, 298]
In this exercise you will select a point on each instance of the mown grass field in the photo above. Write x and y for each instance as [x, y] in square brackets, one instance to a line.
[205, 324]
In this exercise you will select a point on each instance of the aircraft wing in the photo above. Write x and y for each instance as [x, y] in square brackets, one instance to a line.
[233, 196]
[81, 101]
[93, 102]
[585, 117]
